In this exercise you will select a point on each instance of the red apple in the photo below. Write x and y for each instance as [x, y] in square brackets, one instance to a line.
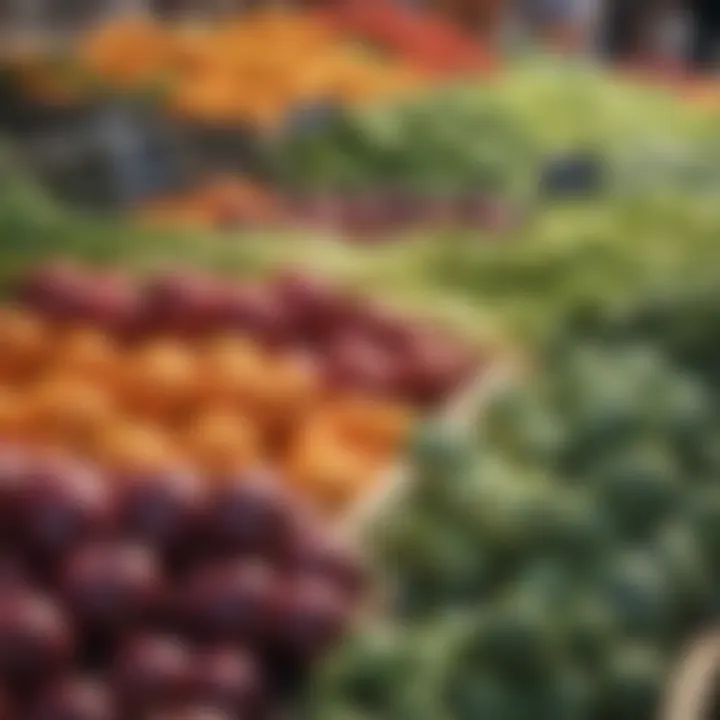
[110, 586]
[316, 308]
[255, 311]
[151, 673]
[227, 678]
[75, 698]
[312, 616]
[61, 504]
[15, 467]
[195, 713]
[357, 363]
[111, 302]
[250, 515]
[327, 559]
[163, 510]
[54, 290]
[181, 302]
[230, 602]
[35, 637]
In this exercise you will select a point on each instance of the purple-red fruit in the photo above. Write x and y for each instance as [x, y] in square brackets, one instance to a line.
[195, 713]
[111, 586]
[112, 303]
[151, 672]
[75, 699]
[181, 302]
[60, 505]
[255, 311]
[54, 290]
[228, 679]
[162, 510]
[312, 617]
[250, 516]
[316, 309]
[318, 557]
[36, 638]
[355, 362]
[230, 602]
[14, 469]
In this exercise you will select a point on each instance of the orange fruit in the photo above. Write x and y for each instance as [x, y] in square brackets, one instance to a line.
[160, 380]
[223, 443]
[14, 415]
[231, 371]
[87, 353]
[23, 342]
[289, 388]
[69, 410]
[331, 472]
[131, 447]
[379, 426]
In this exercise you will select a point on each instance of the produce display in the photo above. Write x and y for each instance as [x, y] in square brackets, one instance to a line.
[153, 596]
[224, 75]
[497, 135]
[182, 452]
[424, 40]
[554, 565]
[228, 204]
[190, 372]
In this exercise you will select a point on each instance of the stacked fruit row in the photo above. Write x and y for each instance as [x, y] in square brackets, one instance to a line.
[230, 204]
[155, 596]
[188, 372]
[224, 74]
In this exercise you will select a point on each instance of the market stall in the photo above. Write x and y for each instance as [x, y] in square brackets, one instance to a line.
[465, 468]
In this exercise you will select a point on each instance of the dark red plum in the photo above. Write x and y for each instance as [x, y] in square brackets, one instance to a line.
[250, 515]
[14, 573]
[230, 602]
[111, 586]
[227, 678]
[254, 310]
[151, 672]
[36, 639]
[435, 366]
[312, 617]
[195, 713]
[317, 310]
[60, 505]
[15, 467]
[320, 557]
[111, 302]
[75, 698]
[54, 290]
[355, 362]
[182, 302]
[164, 511]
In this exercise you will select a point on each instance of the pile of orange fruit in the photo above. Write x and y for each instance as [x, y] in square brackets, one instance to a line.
[220, 203]
[222, 405]
[253, 70]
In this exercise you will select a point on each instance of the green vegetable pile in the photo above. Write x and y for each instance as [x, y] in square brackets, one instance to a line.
[553, 565]
[496, 137]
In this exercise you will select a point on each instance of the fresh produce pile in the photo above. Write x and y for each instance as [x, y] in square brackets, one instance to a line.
[227, 204]
[223, 75]
[424, 39]
[179, 457]
[554, 565]
[497, 136]
[188, 371]
[157, 596]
